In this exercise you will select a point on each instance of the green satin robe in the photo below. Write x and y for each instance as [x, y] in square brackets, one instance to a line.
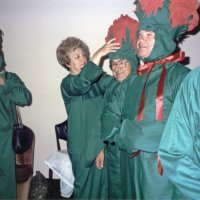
[83, 98]
[179, 149]
[12, 93]
[114, 160]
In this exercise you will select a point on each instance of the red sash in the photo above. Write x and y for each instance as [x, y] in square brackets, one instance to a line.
[160, 168]
[147, 67]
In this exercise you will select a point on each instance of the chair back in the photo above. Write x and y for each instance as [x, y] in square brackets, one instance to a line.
[61, 132]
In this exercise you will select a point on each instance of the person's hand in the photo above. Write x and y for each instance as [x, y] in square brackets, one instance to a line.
[1, 80]
[107, 48]
[100, 160]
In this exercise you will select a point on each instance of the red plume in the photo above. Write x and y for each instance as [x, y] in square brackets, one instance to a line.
[184, 12]
[118, 29]
[151, 6]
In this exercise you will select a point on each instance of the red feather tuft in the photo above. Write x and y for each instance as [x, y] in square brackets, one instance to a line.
[151, 6]
[184, 12]
[118, 29]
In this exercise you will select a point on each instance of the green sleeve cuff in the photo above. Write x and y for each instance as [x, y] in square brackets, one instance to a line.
[91, 71]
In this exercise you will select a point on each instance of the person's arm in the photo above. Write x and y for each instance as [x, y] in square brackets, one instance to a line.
[80, 84]
[179, 149]
[14, 88]
[107, 48]
[111, 116]
[76, 85]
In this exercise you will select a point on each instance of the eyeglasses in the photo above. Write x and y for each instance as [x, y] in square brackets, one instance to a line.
[119, 64]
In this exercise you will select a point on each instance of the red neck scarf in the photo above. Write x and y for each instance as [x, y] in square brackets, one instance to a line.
[147, 67]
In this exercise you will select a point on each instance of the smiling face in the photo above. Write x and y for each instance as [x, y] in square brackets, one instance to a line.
[121, 68]
[145, 43]
[77, 61]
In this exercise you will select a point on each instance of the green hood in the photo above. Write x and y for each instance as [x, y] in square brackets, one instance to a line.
[165, 36]
[126, 52]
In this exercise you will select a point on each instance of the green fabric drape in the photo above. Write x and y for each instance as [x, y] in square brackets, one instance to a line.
[114, 161]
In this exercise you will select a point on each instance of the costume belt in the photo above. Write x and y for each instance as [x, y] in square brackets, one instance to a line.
[147, 67]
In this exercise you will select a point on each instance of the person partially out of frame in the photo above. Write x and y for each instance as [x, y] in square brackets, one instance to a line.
[12, 92]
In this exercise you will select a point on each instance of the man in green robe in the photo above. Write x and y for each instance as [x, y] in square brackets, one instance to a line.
[179, 149]
[12, 92]
[122, 63]
[82, 92]
[150, 94]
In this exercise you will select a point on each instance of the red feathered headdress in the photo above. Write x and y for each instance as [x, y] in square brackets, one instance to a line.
[119, 28]
[181, 12]
[184, 12]
[151, 6]
[124, 29]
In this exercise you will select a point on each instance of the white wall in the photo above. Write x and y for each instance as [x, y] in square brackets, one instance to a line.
[33, 29]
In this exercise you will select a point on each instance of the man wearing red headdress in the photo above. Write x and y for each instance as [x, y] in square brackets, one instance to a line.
[123, 63]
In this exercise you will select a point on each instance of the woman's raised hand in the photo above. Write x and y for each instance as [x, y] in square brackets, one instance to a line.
[107, 48]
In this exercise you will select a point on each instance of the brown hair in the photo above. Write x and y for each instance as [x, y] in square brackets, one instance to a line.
[68, 45]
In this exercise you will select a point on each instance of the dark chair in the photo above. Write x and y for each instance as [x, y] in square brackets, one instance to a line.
[24, 169]
[61, 134]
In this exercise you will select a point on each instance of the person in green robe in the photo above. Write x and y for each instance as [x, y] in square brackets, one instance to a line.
[12, 92]
[82, 91]
[122, 63]
[179, 148]
[149, 96]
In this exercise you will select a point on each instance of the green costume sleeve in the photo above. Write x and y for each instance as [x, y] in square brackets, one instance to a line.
[112, 114]
[180, 144]
[76, 85]
[15, 90]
